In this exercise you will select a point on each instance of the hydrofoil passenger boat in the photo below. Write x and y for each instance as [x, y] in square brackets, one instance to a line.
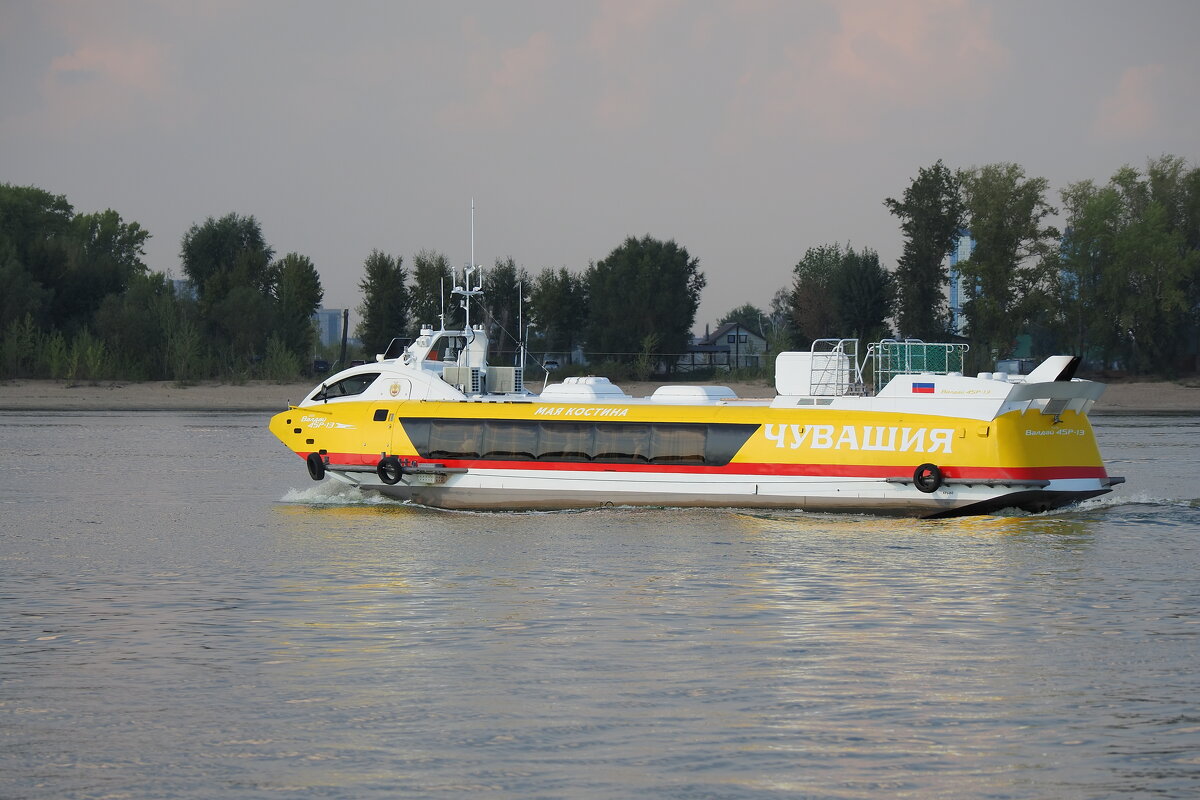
[430, 421]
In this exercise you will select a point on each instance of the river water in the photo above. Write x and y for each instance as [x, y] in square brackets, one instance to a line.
[183, 614]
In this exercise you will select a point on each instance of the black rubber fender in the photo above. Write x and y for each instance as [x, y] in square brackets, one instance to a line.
[316, 466]
[927, 478]
[390, 470]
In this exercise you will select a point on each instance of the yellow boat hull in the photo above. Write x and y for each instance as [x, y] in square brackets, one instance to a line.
[528, 454]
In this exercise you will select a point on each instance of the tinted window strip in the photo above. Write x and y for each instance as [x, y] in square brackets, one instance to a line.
[702, 444]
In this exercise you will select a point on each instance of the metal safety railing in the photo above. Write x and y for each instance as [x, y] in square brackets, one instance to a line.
[835, 369]
[892, 357]
[832, 367]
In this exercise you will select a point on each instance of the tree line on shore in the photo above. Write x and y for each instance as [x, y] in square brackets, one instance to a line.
[1120, 284]
[79, 302]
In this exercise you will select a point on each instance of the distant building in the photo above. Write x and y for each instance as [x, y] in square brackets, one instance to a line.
[183, 289]
[963, 247]
[329, 324]
[732, 346]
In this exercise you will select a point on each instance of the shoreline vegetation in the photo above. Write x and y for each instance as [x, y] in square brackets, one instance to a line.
[1129, 398]
[1119, 285]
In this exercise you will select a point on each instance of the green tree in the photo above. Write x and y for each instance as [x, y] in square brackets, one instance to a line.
[505, 292]
[223, 253]
[383, 314]
[1174, 186]
[1088, 286]
[88, 357]
[643, 287]
[135, 326]
[1129, 265]
[58, 267]
[932, 214]
[781, 330]
[1007, 279]
[298, 295]
[433, 280]
[558, 307]
[23, 295]
[280, 362]
[103, 254]
[1156, 265]
[839, 293]
[20, 347]
[32, 223]
[863, 293]
[228, 263]
[105, 237]
[749, 316]
[241, 320]
[186, 358]
[813, 309]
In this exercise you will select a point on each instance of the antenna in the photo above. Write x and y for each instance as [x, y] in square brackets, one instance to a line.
[442, 300]
[467, 290]
[466, 299]
[520, 354]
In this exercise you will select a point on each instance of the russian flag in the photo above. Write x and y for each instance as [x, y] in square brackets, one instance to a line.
[922, 388]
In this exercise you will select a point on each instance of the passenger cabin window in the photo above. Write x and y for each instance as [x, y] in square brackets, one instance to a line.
[604, 442]
[347, 387]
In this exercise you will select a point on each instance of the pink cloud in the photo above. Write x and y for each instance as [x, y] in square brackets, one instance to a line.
[620, 40]
[136, 66]
[914, 48]
[1132, 107]
[107, 68]
[619, 21]
[99, 82]
[520, 74]
[502, 84]
[878, 55]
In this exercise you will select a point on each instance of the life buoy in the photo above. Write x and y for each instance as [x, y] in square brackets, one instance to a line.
[927, 478]
[316, 466]
[389, 470]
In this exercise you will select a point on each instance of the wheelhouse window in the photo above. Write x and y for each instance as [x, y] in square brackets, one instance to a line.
[346, 387]
[446, 348]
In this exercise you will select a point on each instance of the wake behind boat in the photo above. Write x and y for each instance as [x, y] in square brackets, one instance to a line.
[432, 422]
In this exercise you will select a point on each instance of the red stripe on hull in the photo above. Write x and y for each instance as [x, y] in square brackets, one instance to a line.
[798, 470]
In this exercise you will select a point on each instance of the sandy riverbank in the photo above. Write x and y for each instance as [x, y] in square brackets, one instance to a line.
[266, 396]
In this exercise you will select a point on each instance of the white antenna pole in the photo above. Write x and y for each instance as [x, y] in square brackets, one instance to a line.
[466, 300]
[470, 288]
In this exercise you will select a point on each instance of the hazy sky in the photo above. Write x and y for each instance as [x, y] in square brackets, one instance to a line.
[745, 131]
